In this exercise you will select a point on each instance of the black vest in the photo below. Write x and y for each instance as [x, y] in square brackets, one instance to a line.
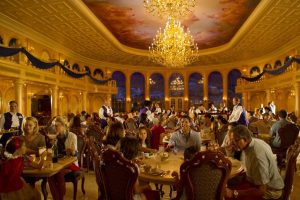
[104, 111]
[8, 121]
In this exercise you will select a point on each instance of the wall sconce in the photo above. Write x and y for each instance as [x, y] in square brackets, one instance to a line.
[204, 99]
[166, 99]
[292, 93]
[128, 99]
[147, 99]
[186, 98]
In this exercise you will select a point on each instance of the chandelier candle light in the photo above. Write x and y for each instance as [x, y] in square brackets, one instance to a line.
[173, 47]
[170, 8]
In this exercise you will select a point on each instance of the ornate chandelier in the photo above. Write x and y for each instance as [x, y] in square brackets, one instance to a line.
[170, 8]
[173, 47]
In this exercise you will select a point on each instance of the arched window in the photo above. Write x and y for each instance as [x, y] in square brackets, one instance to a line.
[157, 88]
[254, 71]
[76, 67]
[12, 42]
[277, 64]
[137, 90]
[195, 88]
[176, 85]
[233, 76]
[215, 88]
[118, 100]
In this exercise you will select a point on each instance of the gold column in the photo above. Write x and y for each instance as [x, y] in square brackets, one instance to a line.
[268, 96]
[19, 94]
[297, 99]
[128, 99]
[225, 86]
[245, 100]
[147, 86]
[167, 91]
[205, 88]
[84, 98]
[186, 92]
[54, 101]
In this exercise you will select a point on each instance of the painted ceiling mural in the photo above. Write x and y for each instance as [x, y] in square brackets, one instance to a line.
[212, 23]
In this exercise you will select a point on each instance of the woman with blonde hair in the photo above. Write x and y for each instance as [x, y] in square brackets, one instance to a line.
[32, 137]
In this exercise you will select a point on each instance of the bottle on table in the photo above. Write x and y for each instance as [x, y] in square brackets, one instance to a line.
[54, 153]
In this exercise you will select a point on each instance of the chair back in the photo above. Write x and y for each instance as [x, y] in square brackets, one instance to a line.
[292, 155]
[119, 175]
[96, 153]
[204, 176]
[288, 135]
[95, 132]
[81, 145]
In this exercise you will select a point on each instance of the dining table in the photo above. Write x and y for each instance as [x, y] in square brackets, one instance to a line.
[158, 169]
[49, 169]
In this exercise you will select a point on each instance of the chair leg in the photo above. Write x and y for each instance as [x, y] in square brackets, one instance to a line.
[82, 184]
[44, 188]
[75, 182]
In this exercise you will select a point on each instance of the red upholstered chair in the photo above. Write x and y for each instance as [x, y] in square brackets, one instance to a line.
[119, 175]
[292, 155]
[204, 177]
[288, 135]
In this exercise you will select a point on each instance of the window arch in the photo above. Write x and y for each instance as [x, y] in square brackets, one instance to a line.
[277, 64]
[195, 87]
[233, 76]
[215, 87]
[118, 100]
[13, 42]
[137, 90]
[157, 88]
[176, 85]
[255, 70]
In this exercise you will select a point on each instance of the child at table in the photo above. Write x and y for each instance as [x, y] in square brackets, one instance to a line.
[130, 148]
[12, 186]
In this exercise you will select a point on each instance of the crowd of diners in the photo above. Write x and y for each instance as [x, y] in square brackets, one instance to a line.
[234, 132]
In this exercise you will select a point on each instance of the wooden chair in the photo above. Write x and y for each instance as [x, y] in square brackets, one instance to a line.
[119, 175]
[292, 155]
[204, 177]
[288, 135]
[75, 176]
[96, 153]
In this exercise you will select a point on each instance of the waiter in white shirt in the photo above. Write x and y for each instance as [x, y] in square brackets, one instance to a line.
[238, 113]
[104, 112]
[11, 120]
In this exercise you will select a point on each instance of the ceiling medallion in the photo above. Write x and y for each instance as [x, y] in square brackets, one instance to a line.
[173, 47]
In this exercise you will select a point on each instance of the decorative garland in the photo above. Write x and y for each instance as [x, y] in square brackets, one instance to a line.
[278, 71]
[5, 52]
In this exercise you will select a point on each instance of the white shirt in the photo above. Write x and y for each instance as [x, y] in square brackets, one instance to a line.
[15, 121]
[71, 143]
[273, 108]
[236, 113]
[109, 112]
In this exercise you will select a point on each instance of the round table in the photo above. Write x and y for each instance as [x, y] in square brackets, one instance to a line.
[173, 163]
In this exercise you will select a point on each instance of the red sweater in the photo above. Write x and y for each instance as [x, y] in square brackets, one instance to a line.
[10, 173]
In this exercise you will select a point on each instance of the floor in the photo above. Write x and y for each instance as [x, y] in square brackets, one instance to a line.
[92, 190]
